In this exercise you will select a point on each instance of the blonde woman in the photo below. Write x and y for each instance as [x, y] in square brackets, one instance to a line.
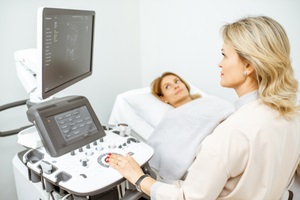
[255, 152]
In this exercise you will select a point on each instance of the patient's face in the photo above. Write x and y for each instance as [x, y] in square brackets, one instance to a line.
[174, 91]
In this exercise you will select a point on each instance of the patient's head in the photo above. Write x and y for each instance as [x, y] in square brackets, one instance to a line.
[172, 89]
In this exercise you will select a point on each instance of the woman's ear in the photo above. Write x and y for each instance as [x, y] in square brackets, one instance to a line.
[162, 98]
[249, 69]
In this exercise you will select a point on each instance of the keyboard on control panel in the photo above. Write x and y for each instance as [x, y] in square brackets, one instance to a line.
[75, 122]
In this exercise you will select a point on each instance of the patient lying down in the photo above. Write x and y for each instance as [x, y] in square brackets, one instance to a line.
[177, 137]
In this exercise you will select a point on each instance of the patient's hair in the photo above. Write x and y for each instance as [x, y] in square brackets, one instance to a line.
[156, 86]
[264, 44]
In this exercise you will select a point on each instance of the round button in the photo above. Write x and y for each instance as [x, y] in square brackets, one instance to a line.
[89, 152]
[99, 148]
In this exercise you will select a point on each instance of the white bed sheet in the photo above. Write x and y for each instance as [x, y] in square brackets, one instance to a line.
[141, 110]
[177, 137]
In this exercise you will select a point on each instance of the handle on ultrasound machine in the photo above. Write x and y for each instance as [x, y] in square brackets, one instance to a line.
[8, 106]
[132, 194]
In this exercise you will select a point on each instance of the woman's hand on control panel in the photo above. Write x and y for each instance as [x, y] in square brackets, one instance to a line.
[126, 166]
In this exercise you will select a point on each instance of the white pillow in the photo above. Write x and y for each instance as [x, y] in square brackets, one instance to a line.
[148, 107]
[124, 113]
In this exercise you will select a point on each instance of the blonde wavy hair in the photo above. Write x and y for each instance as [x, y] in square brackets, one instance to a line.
[263, 42]
[156, 86]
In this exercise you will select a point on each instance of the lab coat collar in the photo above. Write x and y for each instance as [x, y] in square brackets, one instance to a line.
[247, 98]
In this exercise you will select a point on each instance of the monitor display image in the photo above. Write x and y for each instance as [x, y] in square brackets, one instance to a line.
[64, 48]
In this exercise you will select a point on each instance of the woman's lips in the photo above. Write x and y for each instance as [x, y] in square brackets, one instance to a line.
[178, 91]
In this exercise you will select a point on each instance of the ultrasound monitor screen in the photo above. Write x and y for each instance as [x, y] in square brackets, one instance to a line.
[66, 47]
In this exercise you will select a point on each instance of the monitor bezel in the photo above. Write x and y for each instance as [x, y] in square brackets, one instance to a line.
[42, 12]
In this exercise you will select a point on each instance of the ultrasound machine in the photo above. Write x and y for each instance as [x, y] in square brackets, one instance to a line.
[67, 145]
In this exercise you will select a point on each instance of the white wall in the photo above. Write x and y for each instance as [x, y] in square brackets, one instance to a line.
[116, 63]
[183, 36]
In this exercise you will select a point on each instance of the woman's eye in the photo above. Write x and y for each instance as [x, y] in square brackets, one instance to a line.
[177, 81]
[168, 87]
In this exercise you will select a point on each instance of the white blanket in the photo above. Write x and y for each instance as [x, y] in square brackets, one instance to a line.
[176, 138]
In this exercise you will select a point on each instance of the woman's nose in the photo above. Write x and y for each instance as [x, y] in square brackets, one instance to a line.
[219, 65]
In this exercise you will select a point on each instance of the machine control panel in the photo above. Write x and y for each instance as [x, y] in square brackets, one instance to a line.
[84, 171]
